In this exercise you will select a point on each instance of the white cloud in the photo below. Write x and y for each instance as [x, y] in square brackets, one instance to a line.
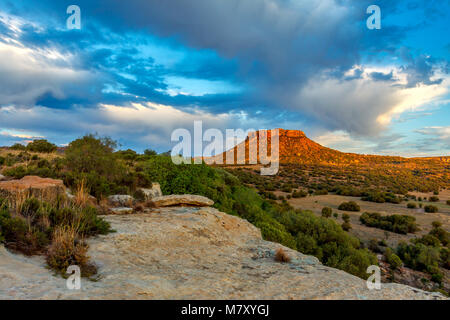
[362, 106]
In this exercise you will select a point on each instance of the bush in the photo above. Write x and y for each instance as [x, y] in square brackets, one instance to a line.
[436, 224]
[149, 152]
[52, 229]
[66, 250]
[299, 194]
[18, 146]
[326, 212]
[346, 226]
[373, 246]
[395, 261]
[381, 197]
[349, 206]
[437, 277]
[411, 205]
[396, 223]
[41, 146]
[431, 209]
[93, 160]
[433, 199]
[346, 217]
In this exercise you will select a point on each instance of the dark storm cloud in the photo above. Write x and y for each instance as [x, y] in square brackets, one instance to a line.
[287, 55]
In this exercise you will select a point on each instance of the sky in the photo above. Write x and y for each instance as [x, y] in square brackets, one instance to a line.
[137, 70]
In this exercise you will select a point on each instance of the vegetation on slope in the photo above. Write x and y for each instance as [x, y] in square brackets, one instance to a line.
[92, 160]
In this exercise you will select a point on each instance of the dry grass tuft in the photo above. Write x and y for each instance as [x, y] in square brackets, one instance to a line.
[81, 197]
[67, 249]
[282, 256]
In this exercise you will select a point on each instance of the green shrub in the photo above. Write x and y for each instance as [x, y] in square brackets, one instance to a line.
[381, 197]
[433, 199]
[149, 152]
[41, 145]
[349, 206]
[402, 224]
[299, 194]
[411, 205]
[346, 217]
[394, 261]
[321, 192]
[346, 226]
[437, 277]
[18, 146]
[431, 209]
[327, 212]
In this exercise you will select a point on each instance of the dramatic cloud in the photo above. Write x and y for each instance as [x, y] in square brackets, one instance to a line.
[255, 63]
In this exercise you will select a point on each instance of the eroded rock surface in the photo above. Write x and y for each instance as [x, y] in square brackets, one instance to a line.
[120, 200]
[191, 253]
[153, 192]
[182, 200]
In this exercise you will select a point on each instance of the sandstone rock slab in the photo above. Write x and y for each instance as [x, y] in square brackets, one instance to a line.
[191, 253]
[182, 200]
[33, 186]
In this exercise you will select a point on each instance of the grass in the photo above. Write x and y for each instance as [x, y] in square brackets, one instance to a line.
[57, 230]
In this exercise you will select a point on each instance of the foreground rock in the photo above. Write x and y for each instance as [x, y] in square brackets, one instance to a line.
[191, 253]
[120, 200]
[182, 200]
[32, 186]
[153, 192]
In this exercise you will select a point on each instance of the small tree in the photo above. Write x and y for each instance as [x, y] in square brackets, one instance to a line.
[326, 212]
[41, 145]
[436, 224]
[91, 154]
[150, 152]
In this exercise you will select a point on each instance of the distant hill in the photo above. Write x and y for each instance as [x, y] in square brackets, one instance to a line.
[296, 148]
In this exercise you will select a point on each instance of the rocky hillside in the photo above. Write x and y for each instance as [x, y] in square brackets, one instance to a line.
[296, 148]
[190, 253]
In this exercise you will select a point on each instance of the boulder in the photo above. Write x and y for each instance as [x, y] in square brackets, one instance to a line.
[2, 177]
[149, 194]
[32, 186]
[120, 200]
[121, 210]
[182, 200]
